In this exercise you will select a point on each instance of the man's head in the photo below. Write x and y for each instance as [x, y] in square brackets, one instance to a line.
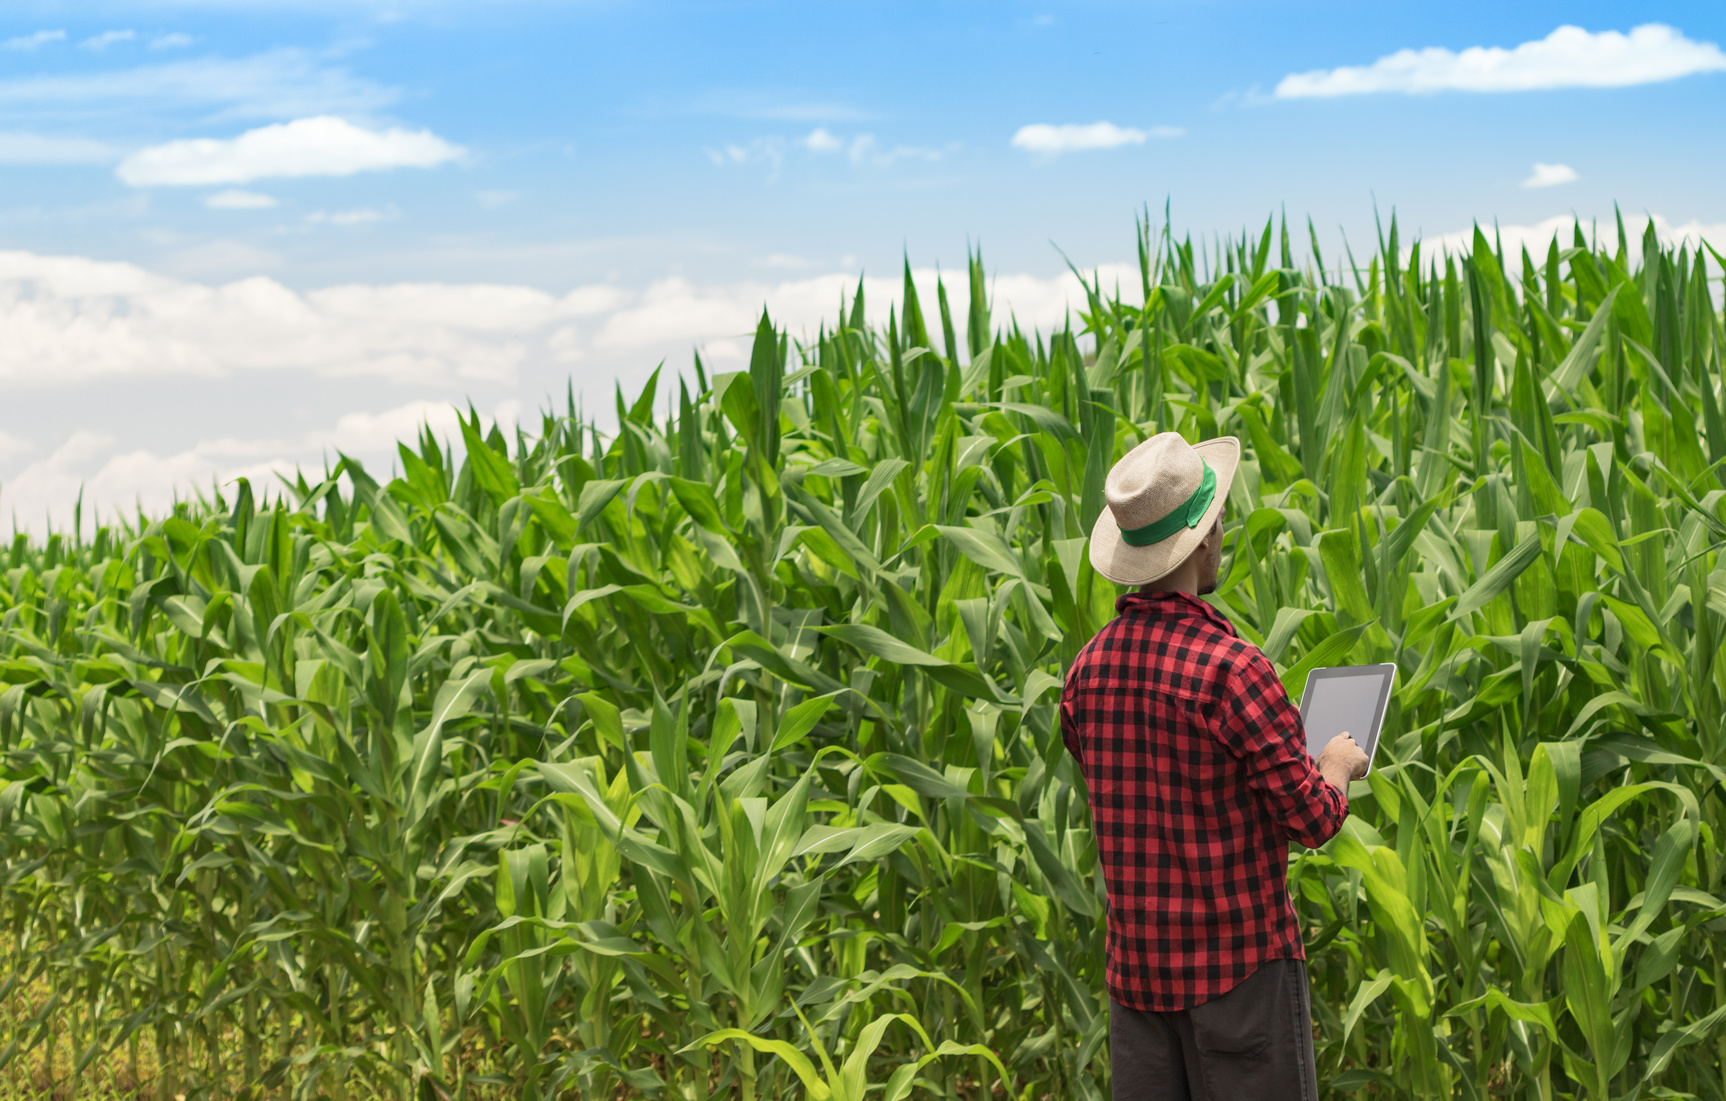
[1198, 573]
[1212, 551]
[1165, 500]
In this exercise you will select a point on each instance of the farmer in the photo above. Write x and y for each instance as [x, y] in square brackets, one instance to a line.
[1199, 779]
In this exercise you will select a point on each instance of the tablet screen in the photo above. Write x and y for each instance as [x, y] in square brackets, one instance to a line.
[1346, 700]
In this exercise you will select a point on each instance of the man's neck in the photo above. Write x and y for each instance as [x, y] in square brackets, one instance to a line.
[1181, 581]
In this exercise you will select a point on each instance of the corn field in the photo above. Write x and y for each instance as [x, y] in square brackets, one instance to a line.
[716, 756]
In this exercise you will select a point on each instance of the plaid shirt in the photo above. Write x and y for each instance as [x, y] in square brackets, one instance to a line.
[1199, 778]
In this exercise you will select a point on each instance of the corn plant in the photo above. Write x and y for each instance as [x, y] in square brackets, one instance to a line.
[716, 755]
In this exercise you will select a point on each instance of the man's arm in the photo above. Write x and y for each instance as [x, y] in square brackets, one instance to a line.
[1260, 725]
[1070, 730]
[1342, 760]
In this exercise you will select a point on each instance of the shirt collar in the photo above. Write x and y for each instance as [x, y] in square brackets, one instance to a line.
[1166, 602]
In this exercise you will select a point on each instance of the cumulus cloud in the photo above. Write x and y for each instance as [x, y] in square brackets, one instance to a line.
[1536, 238]
[34, 41]
[111, 328]
[11, 445]
[72, 320]
[320, 146]
[1550, 175]
[677, 312]
[116, 479]
[1569, 57]
[821, 141]
[1071, 137]
[1691, 233]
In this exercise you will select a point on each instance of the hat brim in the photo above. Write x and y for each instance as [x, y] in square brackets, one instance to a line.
[1125, 564]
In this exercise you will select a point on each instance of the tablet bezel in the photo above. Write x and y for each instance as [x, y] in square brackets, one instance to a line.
[1385, 669]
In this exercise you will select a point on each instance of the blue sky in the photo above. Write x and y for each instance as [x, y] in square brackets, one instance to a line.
[236, 235]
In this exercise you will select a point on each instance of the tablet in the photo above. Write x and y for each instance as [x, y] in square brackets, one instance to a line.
[1347, 699]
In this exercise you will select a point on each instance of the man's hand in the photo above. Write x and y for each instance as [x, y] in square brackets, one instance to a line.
[1341, 760]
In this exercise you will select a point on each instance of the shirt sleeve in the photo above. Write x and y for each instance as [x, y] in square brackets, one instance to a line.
[1258, 724]
[1069, 729]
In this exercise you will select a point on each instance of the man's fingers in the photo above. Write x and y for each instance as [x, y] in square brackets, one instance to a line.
[1345, 752]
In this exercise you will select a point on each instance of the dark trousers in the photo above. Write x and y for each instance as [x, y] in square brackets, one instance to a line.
[1254, 1042]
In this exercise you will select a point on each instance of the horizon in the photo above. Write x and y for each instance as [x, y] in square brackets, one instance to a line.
[238, 234]
[1055, 305]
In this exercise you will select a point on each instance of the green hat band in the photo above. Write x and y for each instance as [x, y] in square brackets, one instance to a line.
[1184, 516]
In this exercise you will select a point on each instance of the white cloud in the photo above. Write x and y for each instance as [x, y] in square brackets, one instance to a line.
[360, 217]
[75, 321]
[72, 321]
[107, 38]
[675, 312]
[114, 480]
[1569, 57]
[235, 199]
[1691, 233]
[40, 149]
[760, 149]
[820, 141]
[565, 344]
[273, 85]
[363, 434]
[33, 41]
[767, 151]
[1550, 175]
[1071, 137]
[219, 259]
[111, 328]
[320, 146]
[1536, 238]
[866, 150]
[860, 149]
[171, 41]
[495, 200]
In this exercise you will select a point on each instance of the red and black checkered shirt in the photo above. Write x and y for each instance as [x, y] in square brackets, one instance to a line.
[1199, 779]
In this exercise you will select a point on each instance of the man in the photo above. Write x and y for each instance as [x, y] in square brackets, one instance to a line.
[1199, 779]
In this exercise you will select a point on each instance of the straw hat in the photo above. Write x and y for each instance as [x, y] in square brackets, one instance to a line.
[1163, 496]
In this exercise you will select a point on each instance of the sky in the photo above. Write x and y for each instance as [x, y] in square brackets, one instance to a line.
[243, 236]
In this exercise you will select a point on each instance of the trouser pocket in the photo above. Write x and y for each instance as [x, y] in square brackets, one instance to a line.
[1256, 1041]
[1245, 1020]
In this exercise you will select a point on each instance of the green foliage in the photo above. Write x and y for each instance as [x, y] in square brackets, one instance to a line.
[719, 757]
